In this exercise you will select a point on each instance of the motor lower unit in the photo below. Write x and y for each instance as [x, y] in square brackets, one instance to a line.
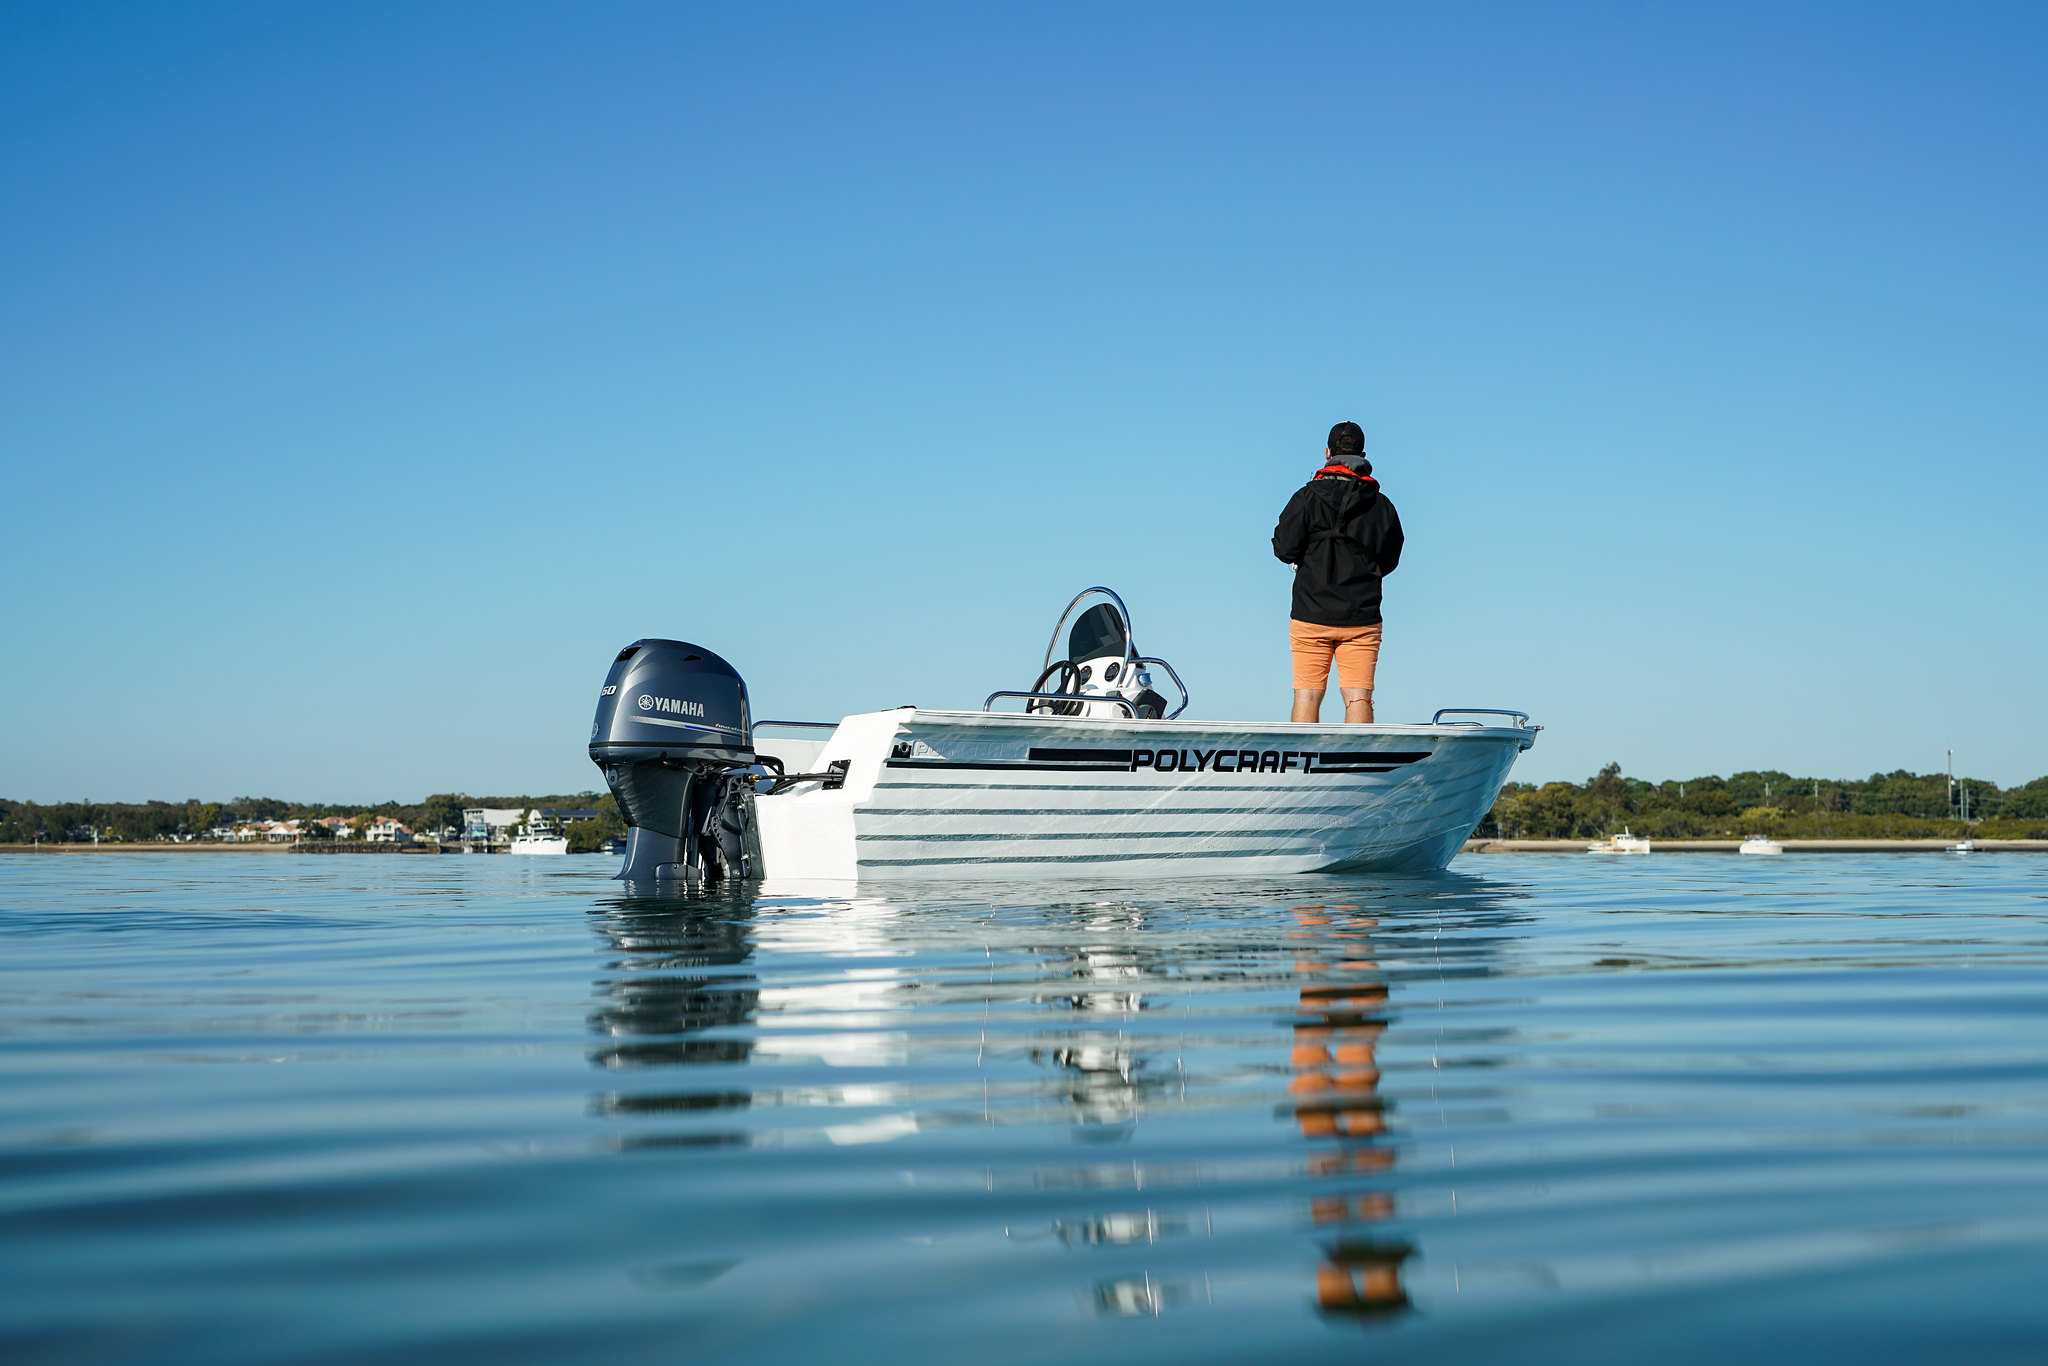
[673, 740]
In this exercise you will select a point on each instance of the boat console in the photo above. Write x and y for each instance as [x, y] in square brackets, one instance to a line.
[1101, 663]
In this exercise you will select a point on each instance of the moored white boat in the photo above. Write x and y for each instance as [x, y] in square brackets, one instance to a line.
[1758, 844]
[1094, 778]
[1624, 843]
[541, 836]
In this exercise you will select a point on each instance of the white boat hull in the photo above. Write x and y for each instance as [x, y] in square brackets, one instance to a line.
[526, 844]
[971, 795]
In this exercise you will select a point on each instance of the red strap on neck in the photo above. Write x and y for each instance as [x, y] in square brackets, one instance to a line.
[1341, 469]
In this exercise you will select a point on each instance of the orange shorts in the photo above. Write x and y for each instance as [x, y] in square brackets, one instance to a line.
[1357, 650]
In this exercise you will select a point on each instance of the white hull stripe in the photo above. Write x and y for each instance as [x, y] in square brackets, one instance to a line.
[1050, 812]
[996, 837]
[1120, 789]
[1294, 852]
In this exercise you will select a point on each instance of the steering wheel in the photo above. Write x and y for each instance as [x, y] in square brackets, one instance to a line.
[1069, 682]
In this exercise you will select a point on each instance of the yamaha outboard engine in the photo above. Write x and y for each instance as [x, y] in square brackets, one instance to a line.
[674, 740]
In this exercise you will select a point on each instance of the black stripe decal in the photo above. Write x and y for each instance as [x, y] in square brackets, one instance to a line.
[1049, 760]
[1374, 756]
[1119, 757]
[1124, 767]
[1367, 760]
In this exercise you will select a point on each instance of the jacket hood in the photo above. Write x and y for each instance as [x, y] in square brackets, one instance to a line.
[1341, 481]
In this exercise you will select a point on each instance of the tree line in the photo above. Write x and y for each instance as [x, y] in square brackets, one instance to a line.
[1898, 805]
[148, 822]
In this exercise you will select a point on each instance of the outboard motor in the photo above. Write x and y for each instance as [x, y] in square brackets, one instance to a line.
[674, 740]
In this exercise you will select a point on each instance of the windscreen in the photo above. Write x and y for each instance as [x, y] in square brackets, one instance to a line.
[1099, 631]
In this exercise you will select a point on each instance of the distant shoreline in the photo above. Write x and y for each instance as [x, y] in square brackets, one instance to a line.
[1489, 846]
[234, 847]
[138, 847]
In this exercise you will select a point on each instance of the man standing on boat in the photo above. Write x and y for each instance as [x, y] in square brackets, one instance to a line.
[1342, 536]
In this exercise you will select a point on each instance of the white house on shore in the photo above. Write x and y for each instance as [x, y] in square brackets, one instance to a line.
[492, 825]
[499, 818]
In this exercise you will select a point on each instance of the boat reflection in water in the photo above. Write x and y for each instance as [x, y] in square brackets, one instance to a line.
[1077, 1095]
[679, 975]
[1109, 1079]
[1337, 1106]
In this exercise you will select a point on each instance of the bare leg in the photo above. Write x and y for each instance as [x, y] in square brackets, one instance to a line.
[1308, 704]
[1357, 706]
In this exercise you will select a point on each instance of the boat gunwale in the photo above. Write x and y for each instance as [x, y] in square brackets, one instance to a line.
[999, 719]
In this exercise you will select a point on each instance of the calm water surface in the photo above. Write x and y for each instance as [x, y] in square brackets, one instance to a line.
[1542, 1108]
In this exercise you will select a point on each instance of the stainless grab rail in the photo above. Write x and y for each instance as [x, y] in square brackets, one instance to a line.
[1521, 717]
[1184, 698]
[1063, 697]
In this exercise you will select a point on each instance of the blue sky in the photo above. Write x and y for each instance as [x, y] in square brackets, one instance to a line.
[369, 375]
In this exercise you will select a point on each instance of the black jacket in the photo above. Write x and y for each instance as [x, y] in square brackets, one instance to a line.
[1342, 536]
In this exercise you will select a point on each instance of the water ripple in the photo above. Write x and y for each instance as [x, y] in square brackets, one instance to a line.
[1542, 1109]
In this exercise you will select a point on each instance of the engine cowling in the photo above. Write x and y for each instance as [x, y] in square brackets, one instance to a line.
[671, 731]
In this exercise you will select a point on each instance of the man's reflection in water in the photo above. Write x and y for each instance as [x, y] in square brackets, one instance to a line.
[676, 978]
[1335, 1090]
